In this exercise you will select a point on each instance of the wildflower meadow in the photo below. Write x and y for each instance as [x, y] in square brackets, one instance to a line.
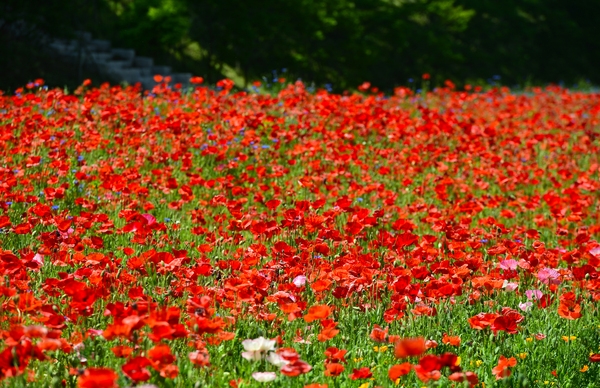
[212, 237]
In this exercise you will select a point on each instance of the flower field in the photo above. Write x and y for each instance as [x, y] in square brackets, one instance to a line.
[213, 238]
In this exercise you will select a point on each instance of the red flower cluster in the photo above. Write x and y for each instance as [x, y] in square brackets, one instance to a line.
[506, 320]
[429, 366]
[164, 222]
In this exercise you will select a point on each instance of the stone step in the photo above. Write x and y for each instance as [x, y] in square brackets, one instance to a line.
[117, 64]
[84, 36]
[161, 70]
[101, 58]
[146, 71]
[63, 46]
[120, 64]
[126, 54]
[131, 75]
[76, 44]
[99, 45]
[58, 47]
[143, 62]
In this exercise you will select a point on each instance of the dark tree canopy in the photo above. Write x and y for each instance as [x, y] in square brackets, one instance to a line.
[342, 42]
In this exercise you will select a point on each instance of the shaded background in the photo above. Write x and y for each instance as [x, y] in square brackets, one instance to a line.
[338, 43]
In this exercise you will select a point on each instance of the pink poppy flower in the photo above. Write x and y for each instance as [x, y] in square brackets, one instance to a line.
[548, 276]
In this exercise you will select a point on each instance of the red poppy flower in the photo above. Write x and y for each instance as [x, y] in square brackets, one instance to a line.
[98, 378]
[460, 377]
[449, 360]
[568, 307]
[169, 371]
[334, 369]
[317, 313]
[295, 368]
[482, 320]
[235, 383]
[430, 363]
[136, 369]
[428, 368]
[335, 355]
[505, 323]
[160, 355]
[122, 351]
[362, 373]
[501, 370]
[364, 86]
[328, 331]
[200, 357]
[399, 370]
[409, 347]
[451, 340]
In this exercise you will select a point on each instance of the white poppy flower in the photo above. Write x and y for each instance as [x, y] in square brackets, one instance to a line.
[264, 377]
[258, 344]
[277, 360]
[256, 348]
[252, 356]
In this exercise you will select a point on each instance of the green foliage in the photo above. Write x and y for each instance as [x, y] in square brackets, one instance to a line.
[550, 40]
[345, 42]
[160, 23]
[341, 42]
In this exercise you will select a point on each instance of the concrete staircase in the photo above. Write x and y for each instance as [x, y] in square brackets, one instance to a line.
[117, 64]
